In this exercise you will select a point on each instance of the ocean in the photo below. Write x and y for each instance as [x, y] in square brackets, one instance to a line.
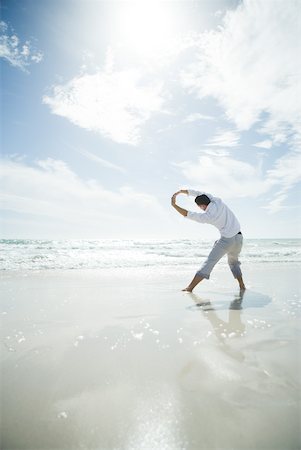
[33, 254]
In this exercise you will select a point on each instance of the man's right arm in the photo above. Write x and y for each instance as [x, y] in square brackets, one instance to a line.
[198, 217]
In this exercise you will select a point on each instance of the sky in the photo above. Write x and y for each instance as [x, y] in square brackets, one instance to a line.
[109, 107]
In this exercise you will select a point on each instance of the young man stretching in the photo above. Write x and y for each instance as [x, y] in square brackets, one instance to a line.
[218, 214]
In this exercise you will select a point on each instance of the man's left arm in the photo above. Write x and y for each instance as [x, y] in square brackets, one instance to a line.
[182, 211]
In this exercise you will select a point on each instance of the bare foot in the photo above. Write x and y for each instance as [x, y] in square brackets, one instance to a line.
[242, 288]
[187, 290]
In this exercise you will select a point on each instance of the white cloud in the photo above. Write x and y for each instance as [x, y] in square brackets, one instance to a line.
[101, 161]
[18, 55]
[276, 204]
[218, 13]
[115, 104]
[286, 170]
[225, 138]
[197, 116]
[50, 189]
[215, 152]
[264, 144]
[225, 176]
[251, 66]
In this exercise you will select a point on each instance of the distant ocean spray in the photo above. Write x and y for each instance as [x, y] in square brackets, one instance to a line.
[18, 254]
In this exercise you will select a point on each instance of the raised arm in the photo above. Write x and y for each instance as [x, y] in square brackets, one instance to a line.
[182, 211]
[198, 217]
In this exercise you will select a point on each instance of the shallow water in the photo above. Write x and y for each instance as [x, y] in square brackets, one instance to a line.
[124, 360]
[18, 254]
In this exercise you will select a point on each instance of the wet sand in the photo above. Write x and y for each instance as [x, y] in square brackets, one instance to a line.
[103, 359]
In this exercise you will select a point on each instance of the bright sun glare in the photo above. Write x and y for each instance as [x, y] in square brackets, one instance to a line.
[147, 27]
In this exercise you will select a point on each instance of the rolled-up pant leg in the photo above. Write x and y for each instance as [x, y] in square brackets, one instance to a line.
[220, 248]
[233, 254]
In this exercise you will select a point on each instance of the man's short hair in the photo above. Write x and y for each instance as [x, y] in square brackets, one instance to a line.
[202, 200]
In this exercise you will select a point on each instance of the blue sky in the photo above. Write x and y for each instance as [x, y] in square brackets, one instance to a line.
[108, 107]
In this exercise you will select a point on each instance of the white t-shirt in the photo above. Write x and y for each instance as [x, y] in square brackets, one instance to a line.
[217, 214]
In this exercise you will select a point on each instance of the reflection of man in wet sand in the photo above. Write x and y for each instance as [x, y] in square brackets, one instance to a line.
[225, 329]
[218, 214]
[222, 328]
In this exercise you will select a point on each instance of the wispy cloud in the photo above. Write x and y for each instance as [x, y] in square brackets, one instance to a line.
[251, 65]
[194, 117]
[267, 143]
[18, 54]
[101, 161]
[113, 103]
[51, 189]
[215, 151]
[224, 176]
[286, 170]
[231, 178]
[225, 138]
[285, 174]
[277, 204]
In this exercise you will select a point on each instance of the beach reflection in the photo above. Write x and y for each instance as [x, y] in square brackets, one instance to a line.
[224, 329]
[232, 327]
[220, 326]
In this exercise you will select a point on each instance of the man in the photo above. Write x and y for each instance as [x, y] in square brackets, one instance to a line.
[218, 214]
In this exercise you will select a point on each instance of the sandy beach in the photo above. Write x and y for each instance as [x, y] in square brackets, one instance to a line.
[122, 359]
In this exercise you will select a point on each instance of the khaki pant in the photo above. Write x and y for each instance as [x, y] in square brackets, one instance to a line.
[230, 246]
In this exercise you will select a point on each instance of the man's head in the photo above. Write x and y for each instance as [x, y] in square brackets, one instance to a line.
[202, 201]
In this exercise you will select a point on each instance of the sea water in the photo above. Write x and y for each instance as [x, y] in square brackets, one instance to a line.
[33, 254]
